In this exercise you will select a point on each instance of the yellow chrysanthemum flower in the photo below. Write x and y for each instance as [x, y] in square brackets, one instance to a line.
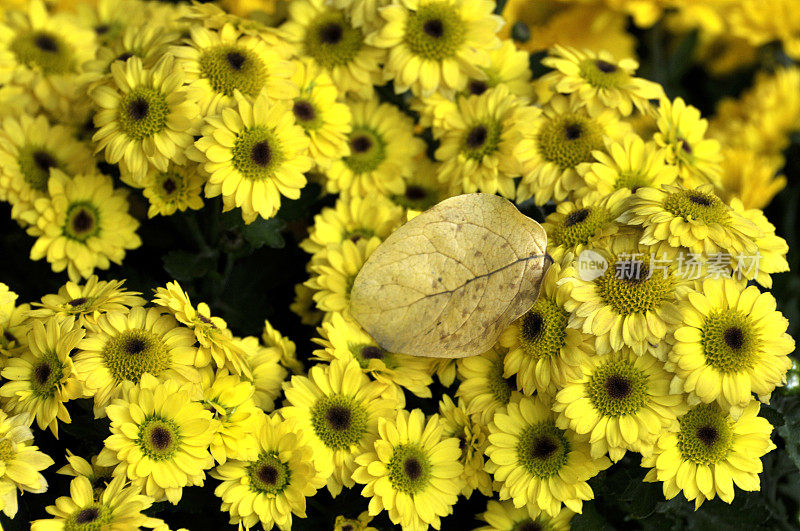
[588, 222]
[628, 165]
[43, 378]
[537, 26]
[147, 117]
[537, 464]
[343, 339]
[599, 80]
[123, 346]
[732, 342]
[119, 507]
[710, 452]
[621, 401]
[98, 476]
[682, 132]
[107, 18]
[83, 225]
[317, 110]
[287, 350]
[146, 41]
[412, 471]
[29, 147]
[503, 516]
[382, 148]
[333, 274]
[222, 61]
[46, 51]
[772, 249]
[361, 523]
[436, 44]
[507, 66]
[215, 340]
[14, 325]
[88, 301]
[254, 152]
[230, 401]
[326, 34]
[543, 352]
[177, 189]
[303, 305]
[751, 177]
[693, 218]
[338, 407]
[483, 386]
[763, 117]
[159, 437]
[478, 138]
[634, 302]
[471, 435]
[20, 462]
[267, 374]
[273, 486]
[351, 219]
[556, 146]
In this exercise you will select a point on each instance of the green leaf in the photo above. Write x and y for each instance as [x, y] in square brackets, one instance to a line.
[265, 232]
[185, 266]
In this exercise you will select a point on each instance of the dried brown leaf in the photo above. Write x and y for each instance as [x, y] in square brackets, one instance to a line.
[448, 282]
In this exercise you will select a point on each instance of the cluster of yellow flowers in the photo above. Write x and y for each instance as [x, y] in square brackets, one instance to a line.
[646, 338]
[180, 390]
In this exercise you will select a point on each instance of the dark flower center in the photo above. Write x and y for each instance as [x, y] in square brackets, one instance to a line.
[699, 200]
[268, 474]
[235, 60]
[573, 131]
[169, 186]
[44, 160]
[412, 468]
[477, 136]
[372, 353]
[135, 346]
[138, 109]
[618, 387]
[734, 337]
[434, 28]
[261, 154]
[160, 438]
[605, 66]
[304, 111]
[477, 87]
[361, 144]
[124, 56]
[102, 29]
[82, 222]
[338, 418]
[87, 515]
[532, 326]
[41, 373]
[576, 217]
[46, 43]
[331, 33]
[708, 435]
[543, 447]
[530, 526]
[414, 192]
[77, 302]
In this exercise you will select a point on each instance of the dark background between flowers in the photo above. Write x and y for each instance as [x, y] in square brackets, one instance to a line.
[247, 274]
